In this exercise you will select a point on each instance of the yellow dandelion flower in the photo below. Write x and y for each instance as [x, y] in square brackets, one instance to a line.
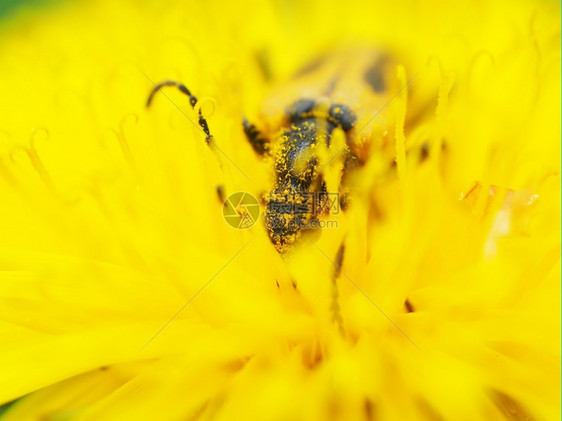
[125, 291]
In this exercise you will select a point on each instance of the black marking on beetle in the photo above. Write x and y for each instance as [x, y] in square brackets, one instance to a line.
[374, 75]
[343, 116]
[297, 143]
[300, 109]
[339, 115]
[409, 307]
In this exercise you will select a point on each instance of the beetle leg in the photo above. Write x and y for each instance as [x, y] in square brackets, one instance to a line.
[259, 142]
[335, 307]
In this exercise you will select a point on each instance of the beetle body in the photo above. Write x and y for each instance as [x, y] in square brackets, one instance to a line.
[336, 92]
[340, 91]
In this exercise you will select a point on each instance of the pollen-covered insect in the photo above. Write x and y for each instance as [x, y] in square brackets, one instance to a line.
[324, 114]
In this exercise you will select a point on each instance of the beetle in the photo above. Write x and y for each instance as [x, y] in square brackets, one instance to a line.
[337, 94]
